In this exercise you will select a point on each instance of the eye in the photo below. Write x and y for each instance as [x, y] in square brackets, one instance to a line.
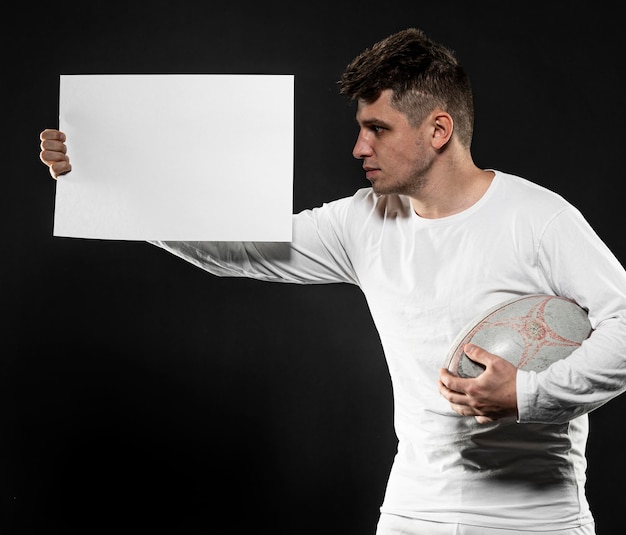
[377, 129]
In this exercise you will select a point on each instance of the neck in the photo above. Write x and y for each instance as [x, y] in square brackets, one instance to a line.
[451, 188]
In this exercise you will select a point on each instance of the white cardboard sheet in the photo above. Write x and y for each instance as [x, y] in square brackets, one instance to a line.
[177, 157]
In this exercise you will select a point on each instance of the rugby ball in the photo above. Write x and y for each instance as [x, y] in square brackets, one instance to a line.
[531, 332]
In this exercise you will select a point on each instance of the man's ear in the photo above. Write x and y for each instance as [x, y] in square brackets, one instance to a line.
[443, 125]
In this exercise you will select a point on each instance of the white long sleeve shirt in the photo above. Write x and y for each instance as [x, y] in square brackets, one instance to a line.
[424, 280]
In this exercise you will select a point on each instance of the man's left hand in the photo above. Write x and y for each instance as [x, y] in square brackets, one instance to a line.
[490, 396]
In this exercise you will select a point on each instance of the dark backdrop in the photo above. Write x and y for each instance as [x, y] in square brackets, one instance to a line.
[138, 392]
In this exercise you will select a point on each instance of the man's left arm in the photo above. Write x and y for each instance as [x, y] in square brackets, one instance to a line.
[576, 264]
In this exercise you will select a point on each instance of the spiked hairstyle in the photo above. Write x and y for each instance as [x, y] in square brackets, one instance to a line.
[422, 74]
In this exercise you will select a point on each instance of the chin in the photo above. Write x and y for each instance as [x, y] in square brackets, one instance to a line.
[382, 190]
[378, 188]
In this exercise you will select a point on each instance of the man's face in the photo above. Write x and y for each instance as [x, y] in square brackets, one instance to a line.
[396, 156]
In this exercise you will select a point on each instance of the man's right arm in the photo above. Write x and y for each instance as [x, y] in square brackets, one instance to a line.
[54, 152]
[315, 255]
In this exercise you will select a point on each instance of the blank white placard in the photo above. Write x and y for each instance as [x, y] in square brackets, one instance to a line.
[177, 157]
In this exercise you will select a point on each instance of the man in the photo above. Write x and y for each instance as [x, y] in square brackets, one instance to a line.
[432, 243]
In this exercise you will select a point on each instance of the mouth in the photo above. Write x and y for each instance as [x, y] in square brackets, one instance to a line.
[370, 172]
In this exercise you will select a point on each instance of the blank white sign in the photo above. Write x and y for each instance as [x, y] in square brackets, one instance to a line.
[177, 157]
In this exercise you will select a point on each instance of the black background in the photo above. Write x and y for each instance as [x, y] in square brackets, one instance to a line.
[139, 393]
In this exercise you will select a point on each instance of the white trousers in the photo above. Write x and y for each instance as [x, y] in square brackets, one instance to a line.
[400, 525]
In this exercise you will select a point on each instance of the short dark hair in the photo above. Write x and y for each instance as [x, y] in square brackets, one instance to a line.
[422, 74]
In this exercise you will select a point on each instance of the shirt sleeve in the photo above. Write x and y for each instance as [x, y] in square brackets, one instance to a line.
[579, 266]
[317, 253]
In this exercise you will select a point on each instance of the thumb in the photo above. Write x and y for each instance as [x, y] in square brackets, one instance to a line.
[477, 354]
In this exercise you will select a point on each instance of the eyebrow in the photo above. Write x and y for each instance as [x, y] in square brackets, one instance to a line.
[373, 121]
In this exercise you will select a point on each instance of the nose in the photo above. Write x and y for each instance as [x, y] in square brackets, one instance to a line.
[361, 148]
